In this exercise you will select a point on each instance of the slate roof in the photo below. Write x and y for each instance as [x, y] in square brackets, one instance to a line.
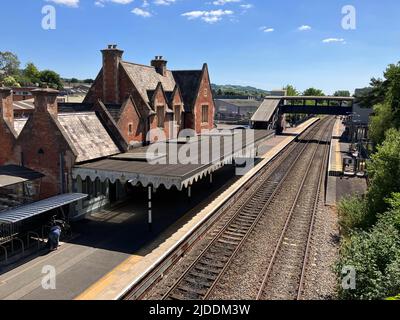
[146, 78]
[13, 174]
[188, 82]
[87, 135]
[266, 110]
[114, 110]
[24, 105]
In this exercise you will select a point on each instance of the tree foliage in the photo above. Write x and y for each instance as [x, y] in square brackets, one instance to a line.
[10, 81]
[375, 255]
[291, 91]
[342, 93]
[32, 73]
[11, 75]
[384, 92]
[51, 79]
[9, 63]
[384, 172]
[313, 92]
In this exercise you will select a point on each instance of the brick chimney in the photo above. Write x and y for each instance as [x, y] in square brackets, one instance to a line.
[111, 60]
[160, 65]
[46, 100]
[6, 105]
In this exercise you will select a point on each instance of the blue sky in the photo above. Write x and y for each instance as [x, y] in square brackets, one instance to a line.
[262, 43]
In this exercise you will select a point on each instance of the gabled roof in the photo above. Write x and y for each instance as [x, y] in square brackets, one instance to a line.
[189, 83]
[146, 78]
[87, 135]
[152, 94]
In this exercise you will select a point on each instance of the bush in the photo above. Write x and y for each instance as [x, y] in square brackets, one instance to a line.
[384, 173]
[353, 214]
[375, 255]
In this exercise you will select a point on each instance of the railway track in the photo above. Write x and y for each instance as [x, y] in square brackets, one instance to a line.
[200, 278]
[285, 275]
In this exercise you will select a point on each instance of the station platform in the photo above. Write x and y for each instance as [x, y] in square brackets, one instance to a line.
[341, 182]
[113, 248]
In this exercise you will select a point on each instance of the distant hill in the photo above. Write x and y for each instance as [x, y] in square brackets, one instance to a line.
[235, 90]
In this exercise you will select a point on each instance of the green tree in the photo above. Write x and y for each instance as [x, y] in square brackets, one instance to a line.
[51, 79]
[385, 91]
[342, 93]
[384, 173]
[10, 81]
[9, 63]
[392, 76]
[291, 91]
[375, 255]
[380, 122]
[32, 73]
[313, 92]
[74, 80]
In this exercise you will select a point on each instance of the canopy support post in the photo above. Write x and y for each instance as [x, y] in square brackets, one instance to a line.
[150, 212]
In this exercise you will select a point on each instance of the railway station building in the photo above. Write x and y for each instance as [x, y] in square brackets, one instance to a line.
[100, 147]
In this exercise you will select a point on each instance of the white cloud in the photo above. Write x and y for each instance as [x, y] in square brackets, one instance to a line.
[68, 3]
[304, 28]
[334, 40]
[224, 2]
[141, 13]
[247, 6]
[212, 16]
[101, 3]
[267, 29]
[164, 2]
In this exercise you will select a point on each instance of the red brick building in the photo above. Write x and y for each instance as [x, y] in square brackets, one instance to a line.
[141, 98]
[124, 103]
[8, 134]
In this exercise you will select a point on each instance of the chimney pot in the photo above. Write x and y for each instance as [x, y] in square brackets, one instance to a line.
[160, 65]
[46, 100]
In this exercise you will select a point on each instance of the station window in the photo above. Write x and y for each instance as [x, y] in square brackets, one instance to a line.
[160, 116]
[206, 92]
[177, 114]
[204, 114]
[130, 128]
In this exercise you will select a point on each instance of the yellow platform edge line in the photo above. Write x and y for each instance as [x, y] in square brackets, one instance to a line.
[98, 287]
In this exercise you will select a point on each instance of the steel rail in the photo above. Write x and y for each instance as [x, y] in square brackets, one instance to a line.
[287, 223]
[237, 214]
[314, 215]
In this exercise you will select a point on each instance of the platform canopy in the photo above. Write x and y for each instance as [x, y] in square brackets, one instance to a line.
[207, 153]
[24, 212]
[12, 174]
